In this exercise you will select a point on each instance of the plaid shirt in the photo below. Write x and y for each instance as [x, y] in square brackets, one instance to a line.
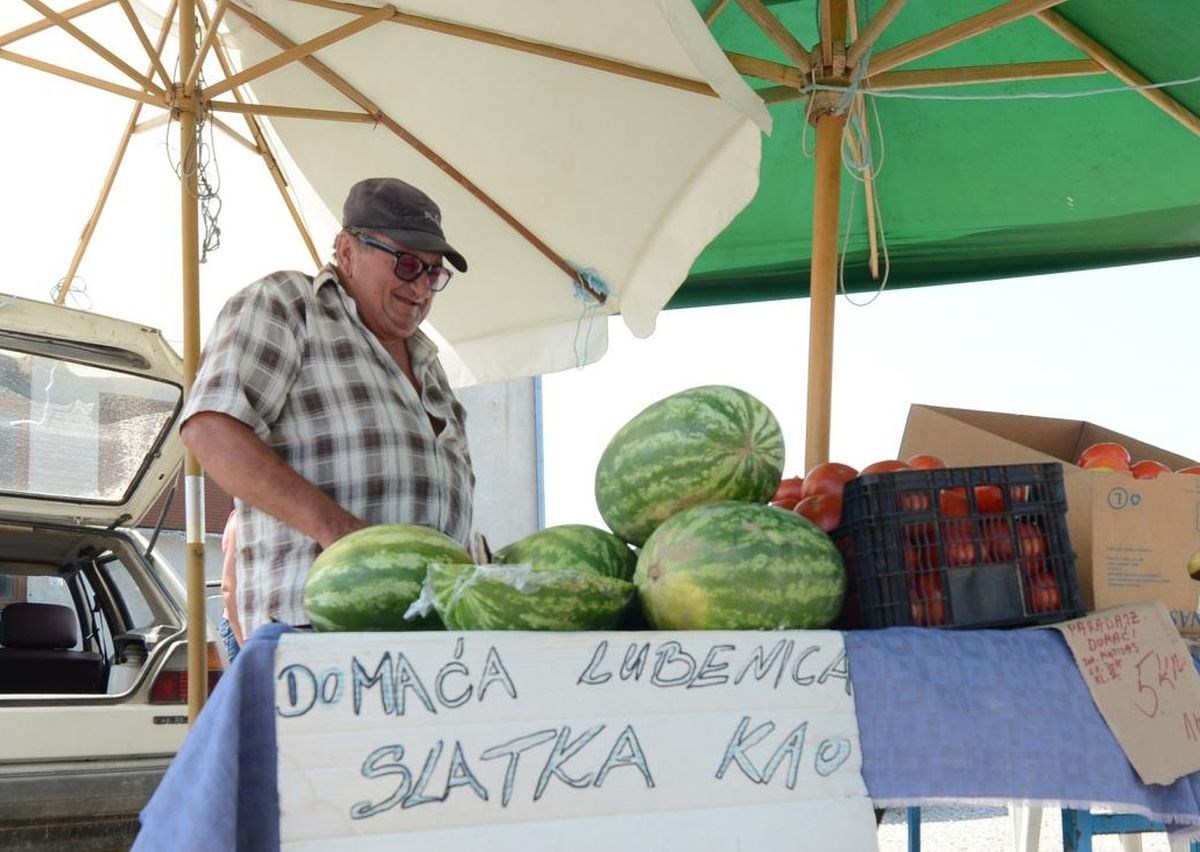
[289, 357]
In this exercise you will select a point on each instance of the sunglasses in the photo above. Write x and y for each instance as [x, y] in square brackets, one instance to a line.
[409, 267]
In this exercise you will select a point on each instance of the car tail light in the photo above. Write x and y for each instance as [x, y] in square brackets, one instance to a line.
[171, 684]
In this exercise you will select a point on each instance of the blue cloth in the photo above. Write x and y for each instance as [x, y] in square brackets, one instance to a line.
[219, 793]
[943, 715]
[992, 715]
[225, 631]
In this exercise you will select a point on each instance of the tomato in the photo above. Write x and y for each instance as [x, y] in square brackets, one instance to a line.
[914, 501]
[919, 558]
[824, 510]
[953, 502]
[925, 461]
[1194, 469]
[1041, 593]
[1032, 548]
[927, 600]
[958, 543]
[997, 539]
[787, 495]
[1148, 469]
[886, 466]
[1106, 455]
[827, 478]
[989, 499]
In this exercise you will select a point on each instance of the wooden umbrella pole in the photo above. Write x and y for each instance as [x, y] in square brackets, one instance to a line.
[823, 287]
[829, 116]
[197, 633]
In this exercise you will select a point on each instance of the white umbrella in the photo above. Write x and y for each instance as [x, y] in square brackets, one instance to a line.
[583, 153]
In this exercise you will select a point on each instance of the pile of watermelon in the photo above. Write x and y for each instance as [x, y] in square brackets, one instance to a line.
[687, 481]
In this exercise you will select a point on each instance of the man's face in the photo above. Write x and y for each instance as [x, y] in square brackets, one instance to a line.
[392, 309]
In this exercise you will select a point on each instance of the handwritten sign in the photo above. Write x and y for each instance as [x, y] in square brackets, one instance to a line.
[1143, 681]
[589, 741]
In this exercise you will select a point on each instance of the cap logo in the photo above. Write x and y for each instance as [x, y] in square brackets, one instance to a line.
[429, 214]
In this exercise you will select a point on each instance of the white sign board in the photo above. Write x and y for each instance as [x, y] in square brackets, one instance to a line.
[588, 741]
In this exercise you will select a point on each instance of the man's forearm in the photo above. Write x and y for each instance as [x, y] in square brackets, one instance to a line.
[247, 468]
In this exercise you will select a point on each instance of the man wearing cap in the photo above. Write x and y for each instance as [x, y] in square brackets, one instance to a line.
[322, 408]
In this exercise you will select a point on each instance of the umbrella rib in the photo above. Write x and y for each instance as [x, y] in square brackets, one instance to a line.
[264, 147]
[100, 50]
[546, 51]
[86, 79]
[210, 36]
[956, 32]
[130, 128]
[873, 30]
[334, 80]
[44, 24]
[714, 11]
[1120, 69]
[156, 63]
[234, 135]
[766, 21]
[300, 51]
[294, 112]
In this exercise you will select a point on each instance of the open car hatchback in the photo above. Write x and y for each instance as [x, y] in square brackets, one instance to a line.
[93, 680]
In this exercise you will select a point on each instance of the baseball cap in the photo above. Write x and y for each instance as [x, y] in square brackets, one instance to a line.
[400, 211]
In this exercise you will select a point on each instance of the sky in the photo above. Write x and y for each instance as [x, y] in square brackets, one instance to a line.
[1116, 347]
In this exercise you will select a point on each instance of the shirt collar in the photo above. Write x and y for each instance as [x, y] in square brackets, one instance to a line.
[420, 348]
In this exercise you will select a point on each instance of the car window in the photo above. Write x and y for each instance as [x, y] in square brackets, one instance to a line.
[137, 611]
[98, 620]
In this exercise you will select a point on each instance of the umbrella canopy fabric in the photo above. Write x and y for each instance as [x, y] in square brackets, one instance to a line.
[619, 175]
[980, 181]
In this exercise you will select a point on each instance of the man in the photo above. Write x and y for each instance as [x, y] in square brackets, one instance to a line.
[323, 409]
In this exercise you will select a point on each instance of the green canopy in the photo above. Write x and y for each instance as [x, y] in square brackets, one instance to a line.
[988, 188]
[975, 180]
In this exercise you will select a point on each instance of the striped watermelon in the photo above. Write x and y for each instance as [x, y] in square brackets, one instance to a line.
[367, 579]
[699, 446]
[739, 566]
[572, 546]
[518, 597]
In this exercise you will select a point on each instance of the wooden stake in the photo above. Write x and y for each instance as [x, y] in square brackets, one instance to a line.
[823, 287]
[156, 64]
[1120, 69]
[954, 33]
[862, 43]
[777, 32]
[264, 149]
[100, 50]
[366, 104]
[546, 51]
[122, 146]
[300, 51]
[44, 24]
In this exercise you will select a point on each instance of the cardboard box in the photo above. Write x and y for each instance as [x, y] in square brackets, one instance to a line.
[1133, 538]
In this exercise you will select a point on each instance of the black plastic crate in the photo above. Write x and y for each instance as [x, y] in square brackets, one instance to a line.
[958, 547]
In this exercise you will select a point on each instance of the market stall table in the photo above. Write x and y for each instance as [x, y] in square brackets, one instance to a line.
[985, 716]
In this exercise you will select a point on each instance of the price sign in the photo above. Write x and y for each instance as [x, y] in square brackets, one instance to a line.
[1143, 681]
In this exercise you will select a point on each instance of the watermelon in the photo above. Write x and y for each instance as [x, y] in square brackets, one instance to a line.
[698, 446]
[572, 546]
[739, 566]
[522, 597]
[368, 579]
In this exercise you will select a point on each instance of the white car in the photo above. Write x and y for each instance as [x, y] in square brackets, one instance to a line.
[93, 668]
